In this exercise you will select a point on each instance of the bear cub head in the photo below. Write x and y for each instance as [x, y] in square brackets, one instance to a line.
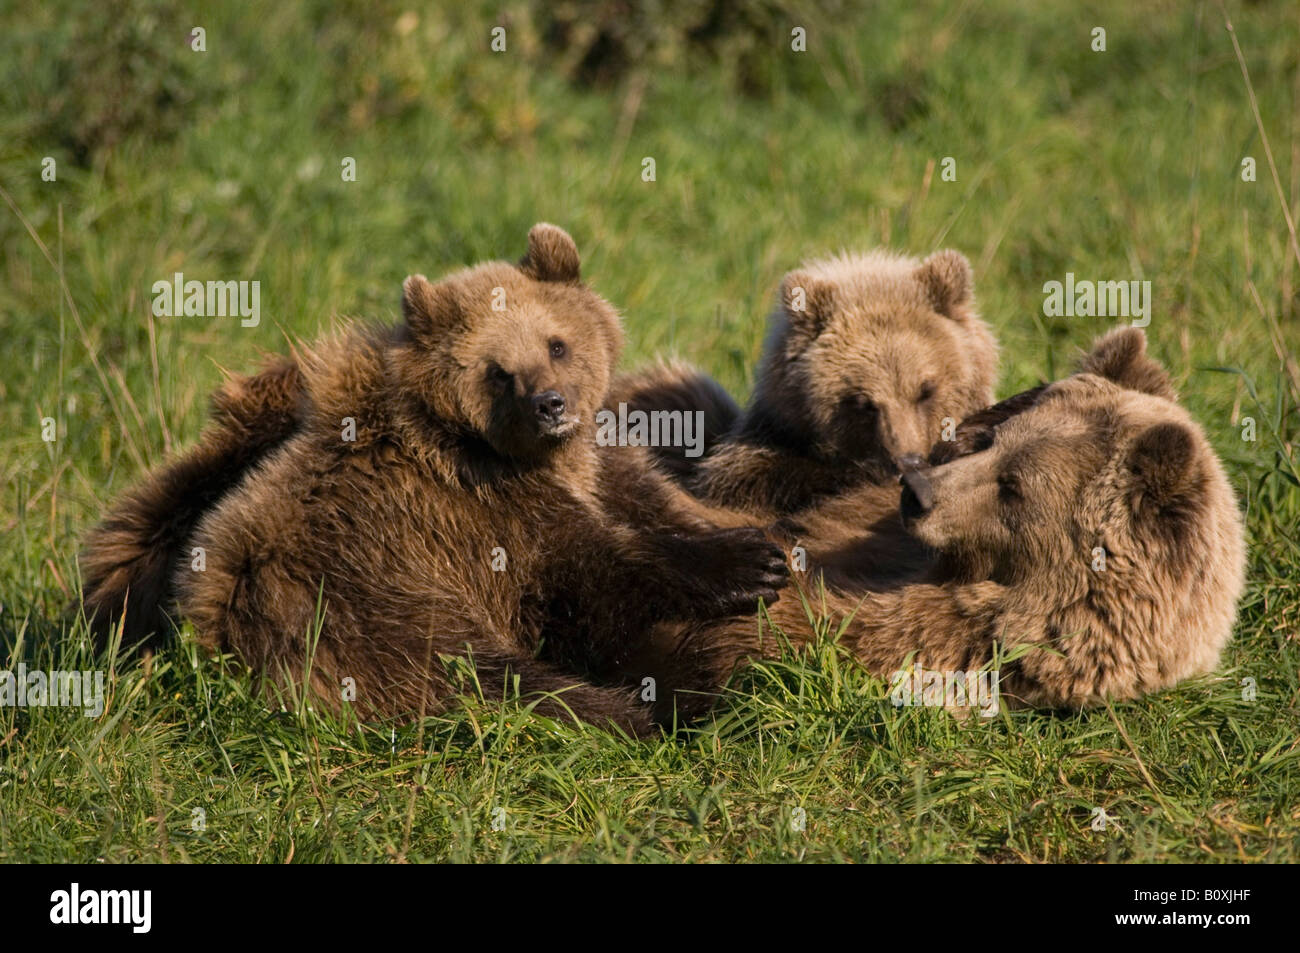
[1095, 490]
[516, 357]
[869, 354]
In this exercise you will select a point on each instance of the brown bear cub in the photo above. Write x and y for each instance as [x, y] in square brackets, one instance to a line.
[441, 496]
[1089, 531]
[868, 356]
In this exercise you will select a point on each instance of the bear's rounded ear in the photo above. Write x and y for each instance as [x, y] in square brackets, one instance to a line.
[947, 280]
[1162, 465]
[1120, 356]
[427, 307]
[552, 255]
[808, 303]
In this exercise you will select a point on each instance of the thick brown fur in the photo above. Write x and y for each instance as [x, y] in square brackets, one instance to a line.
[128, 559]
[1102, 465]
[675, 387]
[441, 497]
[857, 539]
[868, 357]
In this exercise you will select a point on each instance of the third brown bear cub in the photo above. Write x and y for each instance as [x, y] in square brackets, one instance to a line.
[868, 358]
[441, 495]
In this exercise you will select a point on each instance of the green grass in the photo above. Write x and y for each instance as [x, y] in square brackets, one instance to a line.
[225, 164]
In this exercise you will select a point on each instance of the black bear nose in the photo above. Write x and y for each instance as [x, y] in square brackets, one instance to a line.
[918, 494]
[548, 405]
[910, 461]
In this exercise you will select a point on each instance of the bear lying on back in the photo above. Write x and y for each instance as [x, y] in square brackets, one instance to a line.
[1088, 523]
[441, 495]
[867, 357]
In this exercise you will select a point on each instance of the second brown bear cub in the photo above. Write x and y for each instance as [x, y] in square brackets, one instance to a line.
[442, 497]
[868, 357]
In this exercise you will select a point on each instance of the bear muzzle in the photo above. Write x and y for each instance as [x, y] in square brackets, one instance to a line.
[918, 495]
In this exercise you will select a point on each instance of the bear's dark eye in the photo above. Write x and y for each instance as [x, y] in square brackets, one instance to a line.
[1008, 487]
[558, 350]
[500, 376]
[865, 404]
[926, 392]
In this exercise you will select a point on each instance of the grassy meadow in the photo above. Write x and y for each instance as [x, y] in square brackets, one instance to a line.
[227, 163]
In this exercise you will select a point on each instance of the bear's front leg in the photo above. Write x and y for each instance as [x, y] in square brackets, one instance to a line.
[607, 588]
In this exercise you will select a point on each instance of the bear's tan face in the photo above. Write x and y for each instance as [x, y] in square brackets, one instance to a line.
[1007, 506]
[533, 376]
[1090, 466]
[521, 355]
[882, 388]
[871, 353]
